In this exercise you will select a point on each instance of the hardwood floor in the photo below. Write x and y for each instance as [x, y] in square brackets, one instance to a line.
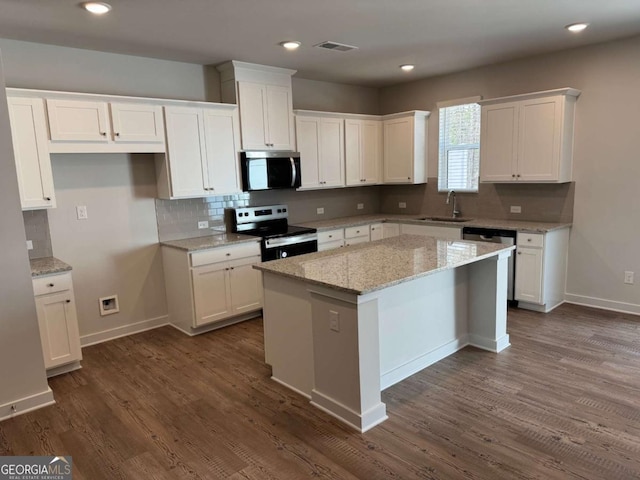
[562, 402]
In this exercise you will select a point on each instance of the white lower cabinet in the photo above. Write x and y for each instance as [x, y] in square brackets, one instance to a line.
[213, 287]
[330, 239]
[376, 231]
[390, 230]
[58, 322]
[356, 235]
[540, 269]
[451, 233]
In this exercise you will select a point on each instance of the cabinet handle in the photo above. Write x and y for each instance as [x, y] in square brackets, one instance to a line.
[519, 253]
[330, 236]
[228, 254]
[232, 268]
[408, 178]
[48, 199]
[50, 285]
[68, 301]
[104, 134]
[513, 175]
[117, 134]
[518, 175]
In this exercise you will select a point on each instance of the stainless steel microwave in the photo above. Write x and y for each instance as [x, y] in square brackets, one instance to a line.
[270, 170]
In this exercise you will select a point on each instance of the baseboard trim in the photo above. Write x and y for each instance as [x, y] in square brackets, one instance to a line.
[69, 367]
[603, 304]
[285, 384]
[192, 332]
[27, 404]
[123, 331]
[360, 422]
[401, 372]
[495, 346]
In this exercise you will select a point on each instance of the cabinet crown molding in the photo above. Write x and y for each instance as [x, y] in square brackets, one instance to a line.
[568, 91]
[414, 113]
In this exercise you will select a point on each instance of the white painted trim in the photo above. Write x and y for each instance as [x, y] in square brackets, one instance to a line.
[410, 113]
[285, 384]
[123, 331]
[69, 367]
[458, 101]
[401, 372]
[495, 346]
[603, 304]
[192, 332]
[27, 404]
[568, 91]
[369, 419]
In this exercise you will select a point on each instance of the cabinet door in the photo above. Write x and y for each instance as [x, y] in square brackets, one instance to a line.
[308, 139]
[58, 329]
[137, 123]
[253, 115]
[332, 152]
[540, 135]
[390, 230]
[78, 121]
[371, 160]
[211, 293]
[398, 150]
[499, 143]
[377, 231]
[246, 285]
[330, 245]
[186, 151]
[221, 133]
[279, 118]
[353, 152]
[33, 163]
[528, 284]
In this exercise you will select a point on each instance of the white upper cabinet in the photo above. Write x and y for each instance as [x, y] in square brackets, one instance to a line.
[33, 163]
[528, 138]
[405, 147]
[202, 152]
[92, 124]
[363, 151]
[266, 107]
[321, 144]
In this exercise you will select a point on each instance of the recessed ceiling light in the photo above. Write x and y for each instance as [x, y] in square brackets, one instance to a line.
[576, 27]
[407, 67]
[291, 44]
[97, 8]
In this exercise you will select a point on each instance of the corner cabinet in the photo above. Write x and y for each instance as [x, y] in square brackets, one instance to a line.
[528, 138]
[541, 269]
[405, 147]
[31, 152]
[202, 152]
[212, 288]
[320, 142]
[264, 96]
[58, 322]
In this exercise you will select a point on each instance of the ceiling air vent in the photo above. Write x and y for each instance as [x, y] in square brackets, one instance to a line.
[339, 47]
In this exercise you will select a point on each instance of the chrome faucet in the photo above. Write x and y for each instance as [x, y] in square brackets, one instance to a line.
[455, 211]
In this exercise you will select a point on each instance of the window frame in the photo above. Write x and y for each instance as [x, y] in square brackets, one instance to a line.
[447, 104]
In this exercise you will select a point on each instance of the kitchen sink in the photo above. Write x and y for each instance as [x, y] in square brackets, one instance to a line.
[447, 219]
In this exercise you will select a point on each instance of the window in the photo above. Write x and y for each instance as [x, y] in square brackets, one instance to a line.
[459, 145]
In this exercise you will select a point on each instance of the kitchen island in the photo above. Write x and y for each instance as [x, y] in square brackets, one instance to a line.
[342, 325]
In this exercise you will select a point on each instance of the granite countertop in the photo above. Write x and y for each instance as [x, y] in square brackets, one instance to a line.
[209, 241]
[519, 225]
[367, 267]
[48, 266]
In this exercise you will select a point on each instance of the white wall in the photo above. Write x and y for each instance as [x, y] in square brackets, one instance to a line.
[22, 372]
[606, 168]
[115, 250]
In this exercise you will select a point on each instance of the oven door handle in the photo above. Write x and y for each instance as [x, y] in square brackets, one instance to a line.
[281, 241]
[294, 172]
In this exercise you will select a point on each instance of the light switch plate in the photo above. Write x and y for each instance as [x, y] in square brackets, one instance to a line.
[81, 212]
[628, 277]
[516, 209]
[320, 210]
[29, 245]
[334, 321]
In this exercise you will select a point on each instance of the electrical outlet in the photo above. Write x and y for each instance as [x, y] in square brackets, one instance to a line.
[628, 277]
[360, 206]
[516, 209]
[81, 212]
[334, 321]
[29, 245]
[203, 224]
[320, 210]
[402, 204]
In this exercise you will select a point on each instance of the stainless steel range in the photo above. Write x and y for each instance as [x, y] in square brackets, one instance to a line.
[279, 239]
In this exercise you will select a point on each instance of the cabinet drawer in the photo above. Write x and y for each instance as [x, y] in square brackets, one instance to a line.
[52, 284]
[356, 241]
[530, 240]
[330, 245]
[222, 254]
[331, 235]
[353, 232]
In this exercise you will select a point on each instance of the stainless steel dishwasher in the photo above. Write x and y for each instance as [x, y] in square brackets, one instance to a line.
[493, 235]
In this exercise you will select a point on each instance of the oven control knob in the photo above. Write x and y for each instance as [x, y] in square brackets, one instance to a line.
[284, 254]
[284, 209]
[279, 210]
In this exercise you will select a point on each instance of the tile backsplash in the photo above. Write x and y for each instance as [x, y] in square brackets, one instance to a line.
[36, 227]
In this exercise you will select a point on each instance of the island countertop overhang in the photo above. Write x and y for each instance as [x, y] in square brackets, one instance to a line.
[366, 268]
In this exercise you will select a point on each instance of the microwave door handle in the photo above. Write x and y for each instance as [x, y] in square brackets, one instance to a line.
[294, 172]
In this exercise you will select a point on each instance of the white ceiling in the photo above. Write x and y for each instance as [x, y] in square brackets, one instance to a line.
[439, 36]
